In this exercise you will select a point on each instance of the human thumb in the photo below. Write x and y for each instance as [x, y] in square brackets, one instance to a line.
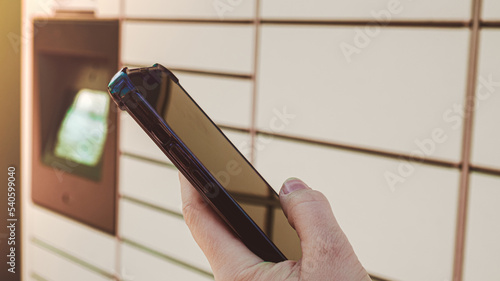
[322, 241]
[307, 210]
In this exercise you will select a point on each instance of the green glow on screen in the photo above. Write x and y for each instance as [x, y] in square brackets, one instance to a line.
[83, 131]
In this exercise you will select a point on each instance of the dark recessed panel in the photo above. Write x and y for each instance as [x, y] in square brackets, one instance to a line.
[74, 122]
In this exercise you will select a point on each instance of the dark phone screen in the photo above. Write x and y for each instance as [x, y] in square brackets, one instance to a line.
[220, 157]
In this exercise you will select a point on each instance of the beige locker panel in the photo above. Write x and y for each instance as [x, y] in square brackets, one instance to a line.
[79, 240]
[191, 9]
[141, 265]
[392, 229]
[377, 11]
[485, 149]
[482, 252]
[206, 47]
[398, 93]
[162, 232]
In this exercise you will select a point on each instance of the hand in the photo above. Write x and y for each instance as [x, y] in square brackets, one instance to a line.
[308, 212]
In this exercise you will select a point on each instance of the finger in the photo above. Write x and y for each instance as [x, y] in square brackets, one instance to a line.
[309, 212]
[226, 253]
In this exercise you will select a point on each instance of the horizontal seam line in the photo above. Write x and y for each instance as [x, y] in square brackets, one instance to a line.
[328, 144]
[151, 206]
[37, 277]
[377, 278]
[188, 20]
[489, 23]
[484, 170]
[364, 150]
[392, 23]
[329, 22]
[198, 71]
[70, 257]
[148, 159]
[165, 257]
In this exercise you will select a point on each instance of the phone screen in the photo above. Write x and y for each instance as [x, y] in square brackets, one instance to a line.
[220, 158]
[83, 131]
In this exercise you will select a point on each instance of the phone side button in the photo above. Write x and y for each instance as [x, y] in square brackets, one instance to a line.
[202, 181]
[179, 155]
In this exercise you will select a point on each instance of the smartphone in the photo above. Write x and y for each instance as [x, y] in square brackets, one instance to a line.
[225, 179]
